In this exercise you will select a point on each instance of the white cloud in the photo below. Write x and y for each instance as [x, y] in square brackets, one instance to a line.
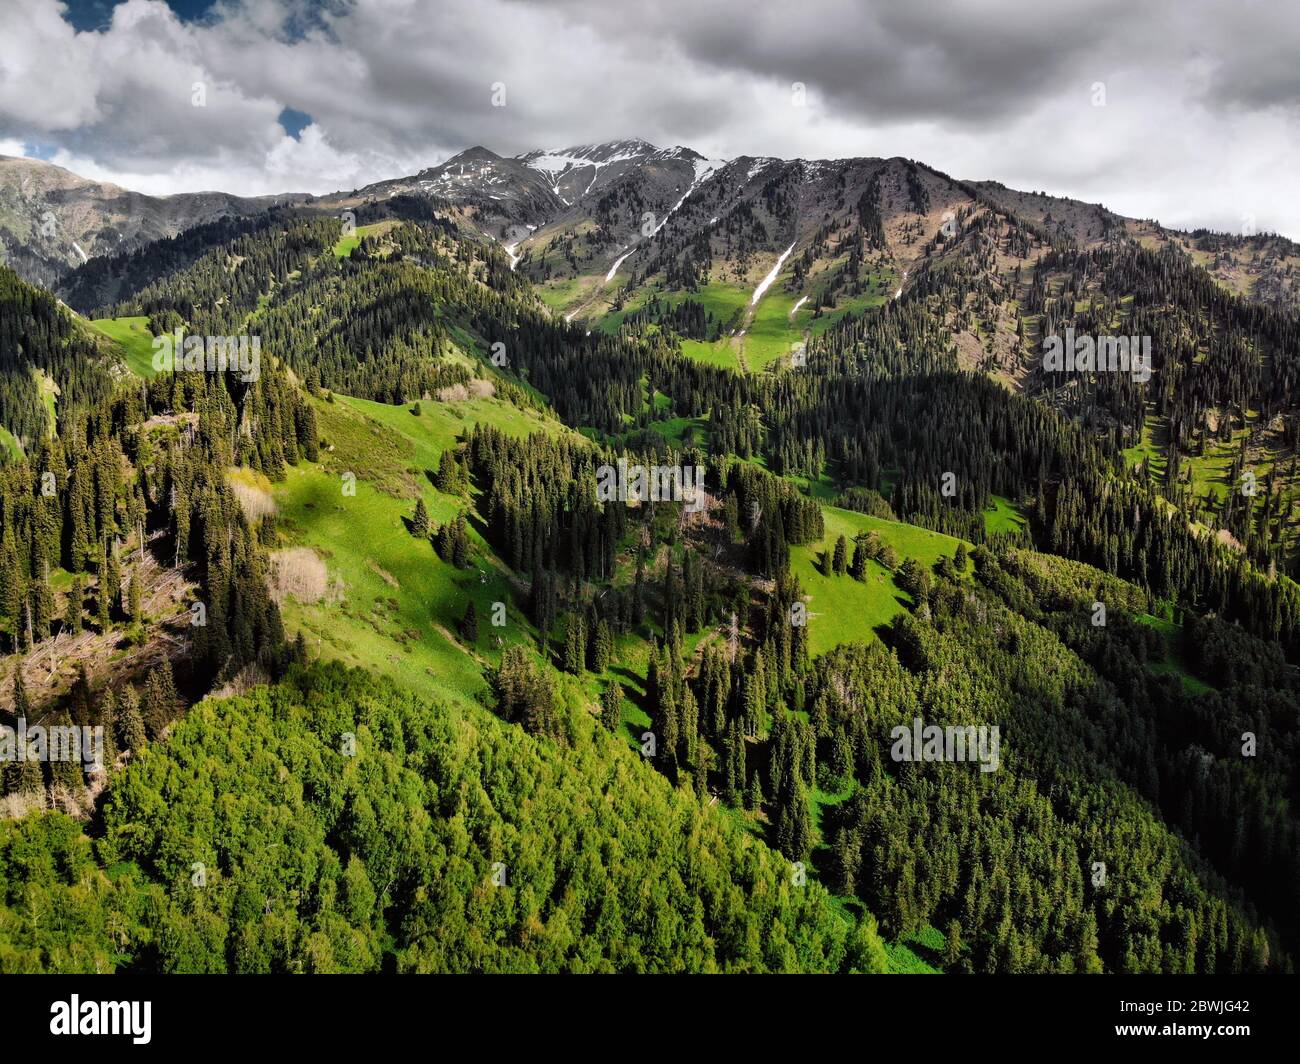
[1199, 128]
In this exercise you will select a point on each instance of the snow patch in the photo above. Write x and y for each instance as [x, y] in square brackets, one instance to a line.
[559, 163]
[617, 263]
[770, 279]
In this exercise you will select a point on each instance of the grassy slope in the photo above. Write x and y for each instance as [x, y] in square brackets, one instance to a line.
[401, 602]
[347, 244]
[133, 337]
[844, 610]
[9, 445]
[1003, 516]
[1174, 663]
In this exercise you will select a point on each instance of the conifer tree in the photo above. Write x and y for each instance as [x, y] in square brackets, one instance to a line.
[866, 950]
[108, 722]
[159, 703]
[468, 627]
[420, 522]
[103, 593]
[601, 647]
[130, 731]
[575, 645]
[136, 605]
[858, 567]
[611, 707]
[72, 615]
[460, 544]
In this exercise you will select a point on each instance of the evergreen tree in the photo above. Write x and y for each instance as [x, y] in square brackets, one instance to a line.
[575, 645]
[103, 591]
[420, 522]
[460, 543]
[866, 950]
[76, 594]
[159, 703]
[108, 722]
[952, 944]
[130, 732]
[468, 627]
[611, 707]
[858, 567]
[601, 647]
[136, 605]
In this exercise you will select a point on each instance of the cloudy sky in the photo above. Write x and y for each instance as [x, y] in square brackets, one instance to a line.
[1183, 110]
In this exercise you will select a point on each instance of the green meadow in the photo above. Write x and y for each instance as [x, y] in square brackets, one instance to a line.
[347, 244]
[9, 445]
[843, 610]
[133, 337]
[1003, 516]
[392, 603]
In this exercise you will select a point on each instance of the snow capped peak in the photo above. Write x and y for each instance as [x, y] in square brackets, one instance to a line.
[588, 154]
[706, 168]
[587, 160]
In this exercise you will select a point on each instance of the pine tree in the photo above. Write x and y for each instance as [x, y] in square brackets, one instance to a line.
[130, 732]
[460, 544]
[22, 705]
[67, 778]
[420, 522]
[42, 605]
[72, 616]
[601, 648]
[159, 703]
[81, 699]
[468, 627]
[109, 723]
[840, 562]
[858, 567]
[794, 824]
[136, 598]
[952, 944]
[448, 477]
[611, 707]
[103, 593]
[866, 950]
[575, 645]
[114, 576]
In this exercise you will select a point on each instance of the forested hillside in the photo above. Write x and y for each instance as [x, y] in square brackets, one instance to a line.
[600, 729]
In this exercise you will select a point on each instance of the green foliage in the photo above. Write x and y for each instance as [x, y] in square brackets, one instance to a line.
[253, 842]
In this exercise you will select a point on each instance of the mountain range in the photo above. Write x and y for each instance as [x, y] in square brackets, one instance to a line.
[377, 654]
[573, 213]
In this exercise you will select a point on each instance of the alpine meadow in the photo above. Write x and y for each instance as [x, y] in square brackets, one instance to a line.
[437, 552]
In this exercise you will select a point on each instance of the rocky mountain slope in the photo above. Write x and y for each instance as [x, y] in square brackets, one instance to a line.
[52, 220]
